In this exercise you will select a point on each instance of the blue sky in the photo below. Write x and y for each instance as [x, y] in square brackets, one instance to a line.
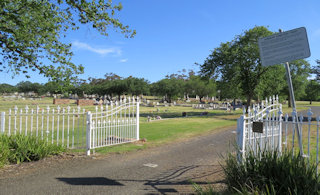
[174, 34]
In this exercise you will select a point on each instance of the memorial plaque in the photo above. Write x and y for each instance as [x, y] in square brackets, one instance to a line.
[257, 127]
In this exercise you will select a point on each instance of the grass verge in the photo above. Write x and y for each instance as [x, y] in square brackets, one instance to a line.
[170, 130]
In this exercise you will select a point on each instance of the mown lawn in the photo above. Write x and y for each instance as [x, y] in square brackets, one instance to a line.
[171, 130]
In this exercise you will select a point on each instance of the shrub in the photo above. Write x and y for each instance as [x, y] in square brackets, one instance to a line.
[4, 150]
[272, 173]
[20, 148]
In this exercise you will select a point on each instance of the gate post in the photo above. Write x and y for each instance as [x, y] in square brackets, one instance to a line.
[3, 114]
[241, 138]
[89, 122]
[137, 118]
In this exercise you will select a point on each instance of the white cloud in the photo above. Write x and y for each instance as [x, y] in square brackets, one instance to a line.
[102, 51]
[123, 60]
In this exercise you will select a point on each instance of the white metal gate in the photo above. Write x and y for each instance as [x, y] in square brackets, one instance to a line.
[279, 131]
[114, 124]
[269, 115]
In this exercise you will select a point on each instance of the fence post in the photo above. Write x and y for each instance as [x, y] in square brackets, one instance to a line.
[280, 129]
[3, 114]
[137, 118]
[89, 122]
[241, 138]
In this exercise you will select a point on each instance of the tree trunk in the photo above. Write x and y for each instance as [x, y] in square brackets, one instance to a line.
[289, 102]
[310, 102]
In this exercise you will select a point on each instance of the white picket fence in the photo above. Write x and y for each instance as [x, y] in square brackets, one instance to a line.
[62, 126]
[76, 128]
[113, 125]
[279, 131]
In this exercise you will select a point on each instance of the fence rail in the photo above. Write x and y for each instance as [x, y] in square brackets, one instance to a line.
[63, 125]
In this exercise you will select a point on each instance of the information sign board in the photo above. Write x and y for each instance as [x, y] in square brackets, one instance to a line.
[284, 47]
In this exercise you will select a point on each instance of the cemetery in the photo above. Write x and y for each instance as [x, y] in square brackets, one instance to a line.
[187, 87]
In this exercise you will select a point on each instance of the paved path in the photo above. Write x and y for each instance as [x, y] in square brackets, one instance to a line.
[162, 170]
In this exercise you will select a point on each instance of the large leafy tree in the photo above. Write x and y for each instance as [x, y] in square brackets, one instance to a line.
[137, 86]
[30, 31]
[237, 67]
[300, 71]
[196, 85]
[27, 86]
[272, 82]
[6, 88]
[237, 63]
[312, 91]
[170, 88]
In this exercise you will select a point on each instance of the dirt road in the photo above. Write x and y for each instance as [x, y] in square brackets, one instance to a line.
[161, 170]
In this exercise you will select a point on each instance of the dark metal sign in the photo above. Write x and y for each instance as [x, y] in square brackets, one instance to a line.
[257, 127]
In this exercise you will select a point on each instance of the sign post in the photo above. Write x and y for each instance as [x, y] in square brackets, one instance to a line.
[282, 48]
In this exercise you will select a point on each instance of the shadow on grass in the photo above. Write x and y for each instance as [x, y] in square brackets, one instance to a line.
[189, 114]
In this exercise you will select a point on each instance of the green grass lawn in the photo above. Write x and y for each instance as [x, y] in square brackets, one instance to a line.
[301, 105]
[170, 130]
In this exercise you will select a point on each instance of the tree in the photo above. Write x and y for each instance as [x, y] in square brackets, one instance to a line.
[316, 70]
[51, 87]
[273, 82]
[170, 88]
[137, 86]
[300, 71]
[312, 91]
[6, 88]
[118, 87]
[237, 63]
[199, 86]
[30, 31]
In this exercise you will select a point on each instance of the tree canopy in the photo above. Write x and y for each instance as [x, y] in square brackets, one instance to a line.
[170, 88]
[237, 67]
[316, 70]
[312, 91]
[237, 63]
[30, 31]
[196, 85]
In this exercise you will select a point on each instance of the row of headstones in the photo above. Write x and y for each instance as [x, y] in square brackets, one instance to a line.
[206, 98]
[88, 97]
[148, 102]
[19, 97]
[224, 105]
[31, 93]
